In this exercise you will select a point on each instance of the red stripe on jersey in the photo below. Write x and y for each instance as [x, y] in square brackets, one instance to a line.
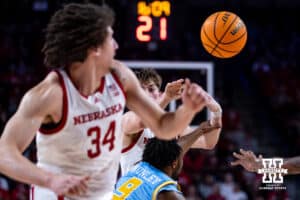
[32, 192]
[100, 88]
[124, 150]
[119, 83]
[60, 198]
[102, 83]
[62, 122]
[69, 75]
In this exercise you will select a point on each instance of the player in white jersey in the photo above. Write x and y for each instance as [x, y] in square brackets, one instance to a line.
[81, 117]
[75, 112]
[135, 133]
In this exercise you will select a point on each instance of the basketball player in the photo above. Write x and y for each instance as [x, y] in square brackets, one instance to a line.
[135, 133]
[151, 82]
[251, 163]
[154, 177]
[75, 112]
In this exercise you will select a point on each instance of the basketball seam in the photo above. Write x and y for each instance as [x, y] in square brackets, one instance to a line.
[227, 50]
[236, 17]
[235, 39]
[214, 30]
[213, 47]
[216, 45]
[204, 31]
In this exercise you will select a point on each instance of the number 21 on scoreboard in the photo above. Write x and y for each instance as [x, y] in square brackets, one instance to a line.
[159, 9]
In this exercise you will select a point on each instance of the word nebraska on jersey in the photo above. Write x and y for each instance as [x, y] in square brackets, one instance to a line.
[81, 119]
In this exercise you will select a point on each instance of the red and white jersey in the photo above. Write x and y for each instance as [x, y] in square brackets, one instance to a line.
[134, 152]
[88, 139]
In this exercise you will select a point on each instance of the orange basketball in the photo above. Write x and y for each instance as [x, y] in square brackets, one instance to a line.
[223, 34]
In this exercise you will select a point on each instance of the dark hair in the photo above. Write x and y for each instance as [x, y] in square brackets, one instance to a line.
[147, 74]
[74, 29]
[161, 153]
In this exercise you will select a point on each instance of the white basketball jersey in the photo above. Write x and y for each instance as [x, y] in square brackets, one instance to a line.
[88, 140]
[133, 153]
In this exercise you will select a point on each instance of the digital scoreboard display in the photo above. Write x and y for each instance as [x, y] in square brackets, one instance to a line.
[152, 20]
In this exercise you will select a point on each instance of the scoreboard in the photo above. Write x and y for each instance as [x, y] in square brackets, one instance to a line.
[152, 20]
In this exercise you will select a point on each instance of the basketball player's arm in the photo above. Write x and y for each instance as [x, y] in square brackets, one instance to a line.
[250, 162]
[292, 165]
[165, 125]
[170, 195]
[198, 136]
[19, 132]
[212, 127]
[211, 136]
[132, 123]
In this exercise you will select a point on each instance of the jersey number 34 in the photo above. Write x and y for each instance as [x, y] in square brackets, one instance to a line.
[95, 134]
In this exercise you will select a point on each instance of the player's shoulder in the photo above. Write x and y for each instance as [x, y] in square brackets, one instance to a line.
[47, 90]
[44, 98]
[119, 68]
[123, 73]
[118, 64]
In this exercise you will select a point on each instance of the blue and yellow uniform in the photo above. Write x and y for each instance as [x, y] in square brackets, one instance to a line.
[143, 182]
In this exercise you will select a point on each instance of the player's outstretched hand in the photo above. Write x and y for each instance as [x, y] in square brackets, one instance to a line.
[248, 160]
[193, 96]
[173, 89]
[63, 184]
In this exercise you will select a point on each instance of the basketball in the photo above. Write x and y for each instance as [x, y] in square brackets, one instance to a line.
[223, 34]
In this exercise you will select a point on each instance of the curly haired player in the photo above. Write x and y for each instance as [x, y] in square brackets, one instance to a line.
[75, 112]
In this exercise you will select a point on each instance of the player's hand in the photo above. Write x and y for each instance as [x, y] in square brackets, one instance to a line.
[194, 97]
[173, 90]
[248, 160]
[63, 184]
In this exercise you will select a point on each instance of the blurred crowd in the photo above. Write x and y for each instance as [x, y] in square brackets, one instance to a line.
[265, 77]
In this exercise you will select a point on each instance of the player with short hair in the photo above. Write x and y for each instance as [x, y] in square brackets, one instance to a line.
[76, 111]
[154, 177]
[135, 133]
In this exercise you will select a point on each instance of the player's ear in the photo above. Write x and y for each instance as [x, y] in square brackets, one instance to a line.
[98, 51]
[95, 51]
[174, 164]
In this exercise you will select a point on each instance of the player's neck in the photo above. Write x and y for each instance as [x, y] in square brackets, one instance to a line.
[85, 78]
[168, 171]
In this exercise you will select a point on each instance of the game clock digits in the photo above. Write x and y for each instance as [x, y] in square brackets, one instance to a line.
[152, 21]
